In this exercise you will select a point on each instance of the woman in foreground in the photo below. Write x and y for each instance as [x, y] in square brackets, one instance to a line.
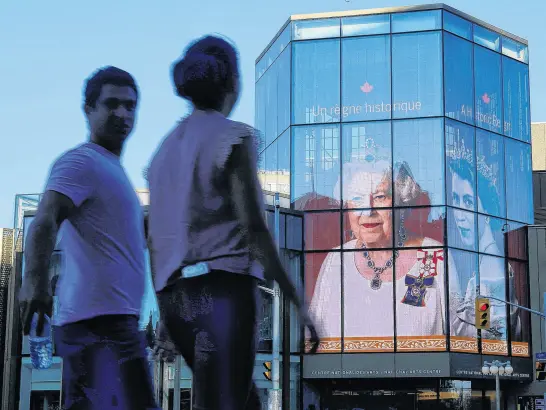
[209, 243]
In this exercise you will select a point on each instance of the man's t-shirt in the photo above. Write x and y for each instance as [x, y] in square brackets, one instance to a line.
[103, 269]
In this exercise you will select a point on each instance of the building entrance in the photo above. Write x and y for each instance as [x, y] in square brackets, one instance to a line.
[381, 400]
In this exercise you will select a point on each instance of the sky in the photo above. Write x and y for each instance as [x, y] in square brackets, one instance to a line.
[48, 49]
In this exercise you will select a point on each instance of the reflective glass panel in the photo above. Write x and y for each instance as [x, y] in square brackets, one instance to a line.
[416, 227]
[457, 25]
[490, 173]
[458, 79]
[316, 167]
[463, 289]
[368, 294]
[520, 320]
[420, 300]
[488, 89]
[461, 166]
[516, 240]
[294, 237]
[322, 230]
[417, 75]
[519, 181]
[283, 163]
[316, 82]
[462, 229]
[271, 103]
[515, 50]
[260, 107]
[486, 38]
[492, 283]
[312, 29]
[366, 80]
[367, 170]
[323, 288]
[366, 25]
[271, 166]
[418, 148]
[517, 116]
[283, 90]
[417, 21]
[491, 235]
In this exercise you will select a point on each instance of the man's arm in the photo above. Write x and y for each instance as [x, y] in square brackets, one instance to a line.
[53, 209]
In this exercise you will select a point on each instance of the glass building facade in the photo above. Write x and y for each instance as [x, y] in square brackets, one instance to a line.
[404, 137]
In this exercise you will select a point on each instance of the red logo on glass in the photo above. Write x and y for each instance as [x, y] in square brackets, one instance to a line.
[366, 88]
[486, 99]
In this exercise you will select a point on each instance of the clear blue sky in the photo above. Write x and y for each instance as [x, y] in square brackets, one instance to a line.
[47, 49]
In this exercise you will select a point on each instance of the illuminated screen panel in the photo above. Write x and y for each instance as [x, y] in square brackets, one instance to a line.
[493, 283]
[463, 289]
[420, 299]
[519, 318]
[323, 289]
[368, 290]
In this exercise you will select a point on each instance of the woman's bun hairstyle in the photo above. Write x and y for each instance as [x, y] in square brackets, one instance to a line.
[207, 72]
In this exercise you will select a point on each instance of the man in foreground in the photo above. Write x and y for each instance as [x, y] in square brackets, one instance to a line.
[102, 281]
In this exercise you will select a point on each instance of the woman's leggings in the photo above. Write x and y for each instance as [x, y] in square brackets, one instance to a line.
[212, 321]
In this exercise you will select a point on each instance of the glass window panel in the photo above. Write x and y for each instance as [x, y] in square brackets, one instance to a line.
[282, 41]
[316, 82]
[463, 290]
[420, 300]
[264, 319]
[292, 262]
[517, 116]
[520, 320]
[455, 394]
[323, 288]
[516, 240]
[366, 25]
[519, 181]
[260, 114]
[458, 79]
[371, 228]
[487, 89]
[283, 90]
[457, 25]
[316, 167]
[417, 21]
[490, 400]
[417, 75]
[261, 169]
[491, 235]
[270, 96]
[322, 230]
[367, 165]
[418, 148]
[514, 49]
[486, 38]
[461, 166]
[283, 163]
[416, 227]
[294, 234]
[492, 283]
[490, 172]
[313, 29]
[366, 80]
[462, 229]
[368, 294]
[271, 166]
[260, 68]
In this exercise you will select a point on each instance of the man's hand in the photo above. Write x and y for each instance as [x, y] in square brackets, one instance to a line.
[39, 302]
[164, 348]
[314, 338]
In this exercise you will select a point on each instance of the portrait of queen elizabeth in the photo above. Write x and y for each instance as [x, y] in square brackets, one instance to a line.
[381, 287]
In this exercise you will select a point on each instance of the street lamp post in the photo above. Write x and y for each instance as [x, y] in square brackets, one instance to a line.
[497, 369]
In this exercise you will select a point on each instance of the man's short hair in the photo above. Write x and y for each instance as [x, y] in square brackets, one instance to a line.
[106, 75]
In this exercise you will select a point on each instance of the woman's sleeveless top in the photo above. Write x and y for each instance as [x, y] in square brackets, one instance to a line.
[191, 214]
